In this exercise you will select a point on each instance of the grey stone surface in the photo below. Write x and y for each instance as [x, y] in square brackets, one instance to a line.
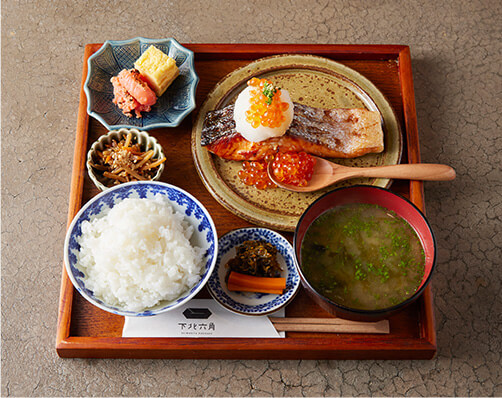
[456, 50]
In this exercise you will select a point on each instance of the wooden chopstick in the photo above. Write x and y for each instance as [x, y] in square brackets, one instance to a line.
[329, 325]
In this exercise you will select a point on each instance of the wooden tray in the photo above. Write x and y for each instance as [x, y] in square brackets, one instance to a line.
[86, 331]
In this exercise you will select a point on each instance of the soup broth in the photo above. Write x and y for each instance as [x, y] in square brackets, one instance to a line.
[363, 256]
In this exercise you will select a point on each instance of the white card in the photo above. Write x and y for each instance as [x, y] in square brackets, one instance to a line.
[201, 318]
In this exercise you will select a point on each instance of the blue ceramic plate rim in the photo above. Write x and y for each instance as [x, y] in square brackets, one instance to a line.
[175, 303]
[192, 89]
[214, 282]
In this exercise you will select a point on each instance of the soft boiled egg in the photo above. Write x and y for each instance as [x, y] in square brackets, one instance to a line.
[262, 111]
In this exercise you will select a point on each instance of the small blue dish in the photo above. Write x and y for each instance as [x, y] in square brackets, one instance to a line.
[245, 303]
[171, 107]
[204, 236]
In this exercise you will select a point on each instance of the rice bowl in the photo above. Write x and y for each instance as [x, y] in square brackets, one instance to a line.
[140, 248]
[139, 254]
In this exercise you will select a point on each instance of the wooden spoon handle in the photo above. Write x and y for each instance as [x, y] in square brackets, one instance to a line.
[419, 171]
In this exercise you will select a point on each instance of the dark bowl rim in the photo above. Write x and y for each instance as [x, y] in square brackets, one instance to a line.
[355, 310]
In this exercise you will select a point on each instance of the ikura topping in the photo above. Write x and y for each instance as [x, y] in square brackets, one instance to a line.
[262, 111]
[293, 168]
[255, 174]
[266, 107]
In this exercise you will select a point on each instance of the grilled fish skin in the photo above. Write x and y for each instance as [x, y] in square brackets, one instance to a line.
[336, 133]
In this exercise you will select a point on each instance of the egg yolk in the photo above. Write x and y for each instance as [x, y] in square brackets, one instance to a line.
[266, 108]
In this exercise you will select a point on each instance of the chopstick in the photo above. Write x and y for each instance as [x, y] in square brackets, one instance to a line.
[329, 325]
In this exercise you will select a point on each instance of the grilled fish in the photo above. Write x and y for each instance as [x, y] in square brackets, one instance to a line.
[335, 133]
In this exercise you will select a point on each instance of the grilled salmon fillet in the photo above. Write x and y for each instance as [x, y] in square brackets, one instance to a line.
[334, 133]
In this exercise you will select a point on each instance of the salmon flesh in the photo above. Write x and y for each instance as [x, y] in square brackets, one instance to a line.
[333, 133]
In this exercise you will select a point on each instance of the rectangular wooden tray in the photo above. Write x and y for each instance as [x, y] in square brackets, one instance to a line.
[86, 331]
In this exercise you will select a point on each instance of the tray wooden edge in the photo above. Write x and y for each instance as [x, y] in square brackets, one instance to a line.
[219, 348]
[428, 325]
[95, 347]
[228, 51]
[76, 190]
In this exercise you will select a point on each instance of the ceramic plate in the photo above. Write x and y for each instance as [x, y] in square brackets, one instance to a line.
[245, 303]
[171, 107]
[310, 80]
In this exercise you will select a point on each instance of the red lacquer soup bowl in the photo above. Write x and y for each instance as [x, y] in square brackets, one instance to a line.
[369, 195]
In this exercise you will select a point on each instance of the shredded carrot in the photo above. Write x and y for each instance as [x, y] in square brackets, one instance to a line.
[128, 140]
[248, 283]
[154, 164]
[99, 167]
[146, 158]
[133, 173]
[114, 177]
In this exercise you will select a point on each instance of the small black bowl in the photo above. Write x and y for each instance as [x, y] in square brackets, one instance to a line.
[370, 195]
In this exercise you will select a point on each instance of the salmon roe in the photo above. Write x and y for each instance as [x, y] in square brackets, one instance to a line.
[266, 107]
[294, 168]
[255, 174]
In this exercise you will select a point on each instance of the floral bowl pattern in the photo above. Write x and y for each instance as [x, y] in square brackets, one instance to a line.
[171, 107]
[245, 303]
[204, 236]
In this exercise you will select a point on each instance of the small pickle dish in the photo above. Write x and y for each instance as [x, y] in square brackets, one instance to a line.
[138, 156]
[248, 302]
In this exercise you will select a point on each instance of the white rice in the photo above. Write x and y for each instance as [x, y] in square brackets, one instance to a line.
[139, 254]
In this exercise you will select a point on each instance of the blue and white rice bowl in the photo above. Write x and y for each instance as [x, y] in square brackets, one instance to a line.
[204, 236]
[246, 303]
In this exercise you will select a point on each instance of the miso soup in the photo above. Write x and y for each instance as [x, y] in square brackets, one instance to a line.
[362, 256]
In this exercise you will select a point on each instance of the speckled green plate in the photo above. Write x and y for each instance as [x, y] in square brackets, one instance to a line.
[310, 80]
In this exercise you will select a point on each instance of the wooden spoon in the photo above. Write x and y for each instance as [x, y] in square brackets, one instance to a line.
[327, 173]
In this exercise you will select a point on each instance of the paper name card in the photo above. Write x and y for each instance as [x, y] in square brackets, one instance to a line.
[201, 318]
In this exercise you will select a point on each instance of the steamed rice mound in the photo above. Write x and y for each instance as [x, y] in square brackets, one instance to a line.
[139, 254]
